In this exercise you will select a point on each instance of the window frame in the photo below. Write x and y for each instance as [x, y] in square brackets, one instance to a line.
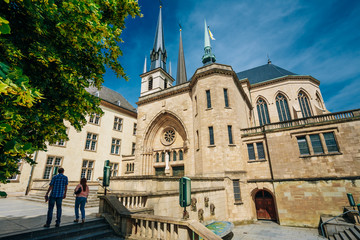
[208, 99]
[230, 135]
[114, 145]
[118, 121]
[237, 191]
[226, 98]
[87, 168]
[53, 165]
[91, 141]
[282, 107]
[305, 105]
[133, 148]
[263, 112]
[94, 119]
[150, 84]
[211, 136]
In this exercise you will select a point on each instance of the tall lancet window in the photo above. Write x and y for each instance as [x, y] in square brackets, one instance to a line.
[304, 104]
[150, 83]
[263, 112]
[282, 108]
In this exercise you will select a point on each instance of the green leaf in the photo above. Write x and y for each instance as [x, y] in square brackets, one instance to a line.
[7, 128]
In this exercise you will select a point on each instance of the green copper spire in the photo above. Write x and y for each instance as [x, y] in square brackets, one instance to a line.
[208, 56]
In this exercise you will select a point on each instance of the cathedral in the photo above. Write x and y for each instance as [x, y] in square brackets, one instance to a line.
[257, 144]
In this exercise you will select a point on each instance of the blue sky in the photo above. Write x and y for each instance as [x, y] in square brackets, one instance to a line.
[317, 38]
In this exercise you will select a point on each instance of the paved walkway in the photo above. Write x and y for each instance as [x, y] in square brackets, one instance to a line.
[267, 230]
[21, 215]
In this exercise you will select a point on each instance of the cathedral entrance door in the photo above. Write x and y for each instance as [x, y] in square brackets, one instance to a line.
[265, 206]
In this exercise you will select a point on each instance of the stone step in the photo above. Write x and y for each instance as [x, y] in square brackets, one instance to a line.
[93, 229]
[355, 232]
[349, 235]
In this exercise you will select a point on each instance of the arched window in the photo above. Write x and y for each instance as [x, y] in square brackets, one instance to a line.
[263, 113]
[127, 167]
[282, 108]
[150, 83]
[157, 157]
[318, 100]
[174, 156]
[163, 157]
[304, 104]
[181, 157]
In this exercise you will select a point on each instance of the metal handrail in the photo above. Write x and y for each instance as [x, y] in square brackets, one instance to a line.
[321, 226]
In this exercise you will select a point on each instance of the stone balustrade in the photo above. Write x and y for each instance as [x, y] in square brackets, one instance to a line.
[326, 118]
[145, 226]
[133, 201]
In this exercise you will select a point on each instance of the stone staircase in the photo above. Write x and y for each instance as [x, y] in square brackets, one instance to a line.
[353, 233]
[69, 201]
[342, 228]
[93, 229]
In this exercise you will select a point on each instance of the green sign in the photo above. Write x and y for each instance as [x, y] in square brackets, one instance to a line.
[185, 191]
[106, 178]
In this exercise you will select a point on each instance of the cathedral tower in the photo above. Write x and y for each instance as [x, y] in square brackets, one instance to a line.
[157, 78]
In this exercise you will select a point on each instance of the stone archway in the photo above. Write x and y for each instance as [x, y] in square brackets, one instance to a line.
[265, 205]
[165, 145]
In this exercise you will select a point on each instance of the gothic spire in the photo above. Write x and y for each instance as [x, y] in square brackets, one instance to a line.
[208, 56]
[158, 54]
[145, 68]
[170, 72]
[181, 69]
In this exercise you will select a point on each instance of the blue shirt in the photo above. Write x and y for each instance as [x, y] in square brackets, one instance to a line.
[58, 183]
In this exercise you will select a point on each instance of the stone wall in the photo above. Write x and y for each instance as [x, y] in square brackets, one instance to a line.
[300, 203]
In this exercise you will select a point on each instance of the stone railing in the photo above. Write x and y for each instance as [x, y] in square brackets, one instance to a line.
[132, 201]
[332, 117]
[145, 226]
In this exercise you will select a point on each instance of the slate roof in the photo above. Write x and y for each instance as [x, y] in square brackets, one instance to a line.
[263, 73]
[111, 96]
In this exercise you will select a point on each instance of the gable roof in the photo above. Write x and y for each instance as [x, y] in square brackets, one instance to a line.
[263, 73]
[111, 96]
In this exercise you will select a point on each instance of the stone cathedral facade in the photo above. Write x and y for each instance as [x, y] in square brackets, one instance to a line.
[257, 144]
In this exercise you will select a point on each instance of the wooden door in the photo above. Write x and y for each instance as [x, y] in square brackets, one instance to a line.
[265, 207]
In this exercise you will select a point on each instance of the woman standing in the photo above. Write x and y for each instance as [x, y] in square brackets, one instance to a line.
[81, 199]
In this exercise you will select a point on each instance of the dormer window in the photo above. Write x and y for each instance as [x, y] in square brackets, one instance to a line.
[97, 94]
[118, 102]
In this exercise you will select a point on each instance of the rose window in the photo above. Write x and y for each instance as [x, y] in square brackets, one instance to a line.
[168, 136]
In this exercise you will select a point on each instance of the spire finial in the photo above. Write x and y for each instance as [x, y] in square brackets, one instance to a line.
[208, 56]
[269, 61]
[145, 68]
[170, 72]
[181, 68]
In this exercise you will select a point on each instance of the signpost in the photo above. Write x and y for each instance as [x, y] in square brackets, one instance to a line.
[106, 177]
[185, 194]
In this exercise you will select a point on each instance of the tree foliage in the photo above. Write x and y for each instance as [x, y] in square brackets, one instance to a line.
[50, 51]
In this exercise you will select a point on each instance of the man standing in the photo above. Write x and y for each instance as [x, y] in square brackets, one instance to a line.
[58, 188]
